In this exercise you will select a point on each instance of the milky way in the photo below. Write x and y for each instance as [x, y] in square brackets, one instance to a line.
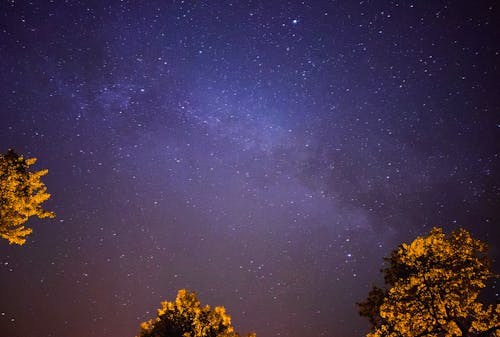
[266, 154]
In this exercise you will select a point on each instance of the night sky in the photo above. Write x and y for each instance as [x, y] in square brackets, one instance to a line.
[266, 154]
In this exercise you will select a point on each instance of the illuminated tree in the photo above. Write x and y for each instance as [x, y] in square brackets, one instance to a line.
[187, 318]
[21, 193]
[432, 290]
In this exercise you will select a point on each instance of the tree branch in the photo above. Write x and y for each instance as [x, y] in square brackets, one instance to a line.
[487, 332]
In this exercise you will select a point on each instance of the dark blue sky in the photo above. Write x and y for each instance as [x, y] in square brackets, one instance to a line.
[266, 154]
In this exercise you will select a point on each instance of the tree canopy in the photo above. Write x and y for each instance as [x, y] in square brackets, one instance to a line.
[432, 289]
[21, 195]
[187, 318]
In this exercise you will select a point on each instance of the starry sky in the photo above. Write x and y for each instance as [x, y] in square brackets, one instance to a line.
[266, 154]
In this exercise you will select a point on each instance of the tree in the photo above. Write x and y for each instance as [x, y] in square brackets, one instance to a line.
[21, 193]
[432, 290]
[187, 318]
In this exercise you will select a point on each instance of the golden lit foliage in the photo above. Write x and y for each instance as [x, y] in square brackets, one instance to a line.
[432, 289]
[21, 193]
[187, 318]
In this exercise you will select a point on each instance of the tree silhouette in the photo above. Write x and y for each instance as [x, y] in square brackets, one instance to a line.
[21, 193]
[432, 290]
[187, 318]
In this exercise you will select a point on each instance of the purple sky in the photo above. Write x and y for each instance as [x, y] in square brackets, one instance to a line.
[266, 154]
